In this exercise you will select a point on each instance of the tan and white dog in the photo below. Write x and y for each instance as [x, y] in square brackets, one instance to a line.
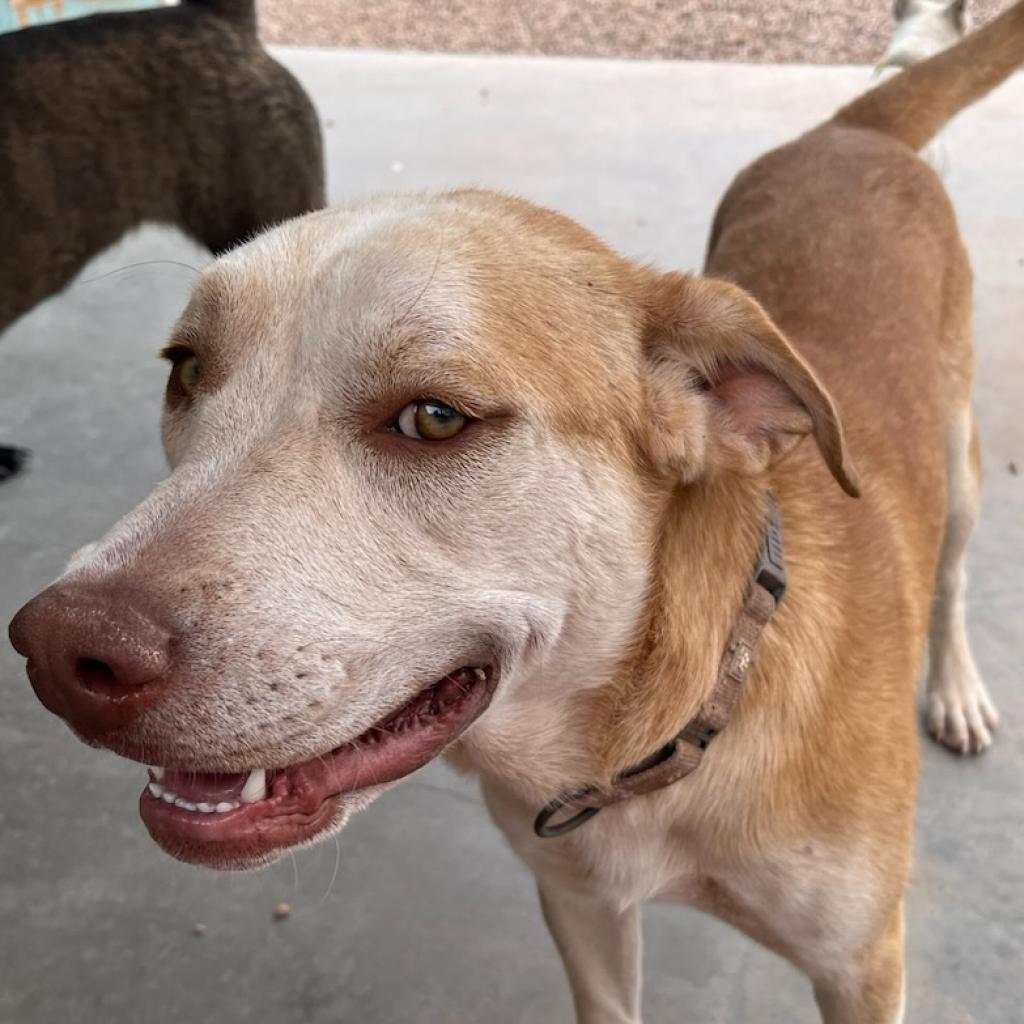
[450, 475]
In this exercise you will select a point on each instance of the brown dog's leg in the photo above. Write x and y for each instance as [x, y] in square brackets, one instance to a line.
[960, 712]
[872, 989]
[600, 947]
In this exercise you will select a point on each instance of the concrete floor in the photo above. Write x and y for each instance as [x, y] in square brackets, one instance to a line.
[420, 913]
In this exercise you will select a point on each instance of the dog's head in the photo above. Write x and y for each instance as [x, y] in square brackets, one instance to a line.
[421, 448]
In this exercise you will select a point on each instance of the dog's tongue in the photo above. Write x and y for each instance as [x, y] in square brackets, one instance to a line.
[205, 787]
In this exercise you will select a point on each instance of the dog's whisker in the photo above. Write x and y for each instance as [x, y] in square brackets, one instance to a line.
[405, 316]
[140, 264]
[334, 874]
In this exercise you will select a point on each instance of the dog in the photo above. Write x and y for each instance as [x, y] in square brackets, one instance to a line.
[176, 116]
[924, 28]
[451, 476]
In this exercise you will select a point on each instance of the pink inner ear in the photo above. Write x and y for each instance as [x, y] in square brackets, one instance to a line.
[756, 401]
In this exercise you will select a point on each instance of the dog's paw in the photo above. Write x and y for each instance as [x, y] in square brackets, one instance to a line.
[12, 460]
[961, 714]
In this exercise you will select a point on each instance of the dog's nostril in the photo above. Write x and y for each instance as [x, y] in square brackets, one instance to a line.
[95, 675]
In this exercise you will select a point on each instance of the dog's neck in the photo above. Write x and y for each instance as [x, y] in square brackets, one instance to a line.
[707, 547]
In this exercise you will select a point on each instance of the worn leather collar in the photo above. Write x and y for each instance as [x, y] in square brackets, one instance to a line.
[684, 752]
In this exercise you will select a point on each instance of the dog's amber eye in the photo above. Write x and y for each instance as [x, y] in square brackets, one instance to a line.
[430, 420]
[187, 372]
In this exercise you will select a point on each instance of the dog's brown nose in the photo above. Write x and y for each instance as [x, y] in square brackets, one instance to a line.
[94, 657]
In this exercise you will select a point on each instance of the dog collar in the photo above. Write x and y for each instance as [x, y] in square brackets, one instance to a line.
[684, 752]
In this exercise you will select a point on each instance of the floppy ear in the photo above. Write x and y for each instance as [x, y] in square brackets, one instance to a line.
[729, 392]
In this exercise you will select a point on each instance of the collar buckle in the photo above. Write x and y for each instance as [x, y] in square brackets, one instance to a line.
[699, 735]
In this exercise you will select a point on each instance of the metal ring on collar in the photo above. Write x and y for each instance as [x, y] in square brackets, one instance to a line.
[542, 826]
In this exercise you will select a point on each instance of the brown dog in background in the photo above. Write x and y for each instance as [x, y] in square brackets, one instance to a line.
[175, 116]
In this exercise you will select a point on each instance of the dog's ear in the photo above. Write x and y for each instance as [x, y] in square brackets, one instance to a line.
[728, 392]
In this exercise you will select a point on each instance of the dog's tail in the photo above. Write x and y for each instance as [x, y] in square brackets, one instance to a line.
[242, 12]
[915, 104]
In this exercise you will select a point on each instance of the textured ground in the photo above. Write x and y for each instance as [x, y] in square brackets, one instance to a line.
[760, 31]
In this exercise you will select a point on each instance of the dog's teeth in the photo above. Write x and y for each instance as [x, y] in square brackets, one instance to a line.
[480, 674]
[158, 774]
[255, 787]
[255, 784]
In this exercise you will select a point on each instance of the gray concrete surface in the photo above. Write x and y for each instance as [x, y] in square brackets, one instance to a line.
[420, 914]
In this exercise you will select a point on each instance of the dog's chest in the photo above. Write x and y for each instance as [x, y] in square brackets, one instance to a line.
[790, 897]
[634, 859]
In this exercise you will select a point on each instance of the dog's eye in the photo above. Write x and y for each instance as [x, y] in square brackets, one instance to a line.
[430, 420]
[187, 372]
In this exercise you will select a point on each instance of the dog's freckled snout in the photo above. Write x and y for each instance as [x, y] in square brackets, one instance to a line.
[95, 657]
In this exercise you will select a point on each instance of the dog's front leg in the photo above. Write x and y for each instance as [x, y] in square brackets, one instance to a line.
[868, 988]
[600, 945]
[596, 930]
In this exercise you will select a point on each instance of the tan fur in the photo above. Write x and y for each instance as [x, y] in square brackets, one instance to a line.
[597, 529]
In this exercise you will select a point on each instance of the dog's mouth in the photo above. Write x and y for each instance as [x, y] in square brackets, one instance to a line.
[240, 819]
